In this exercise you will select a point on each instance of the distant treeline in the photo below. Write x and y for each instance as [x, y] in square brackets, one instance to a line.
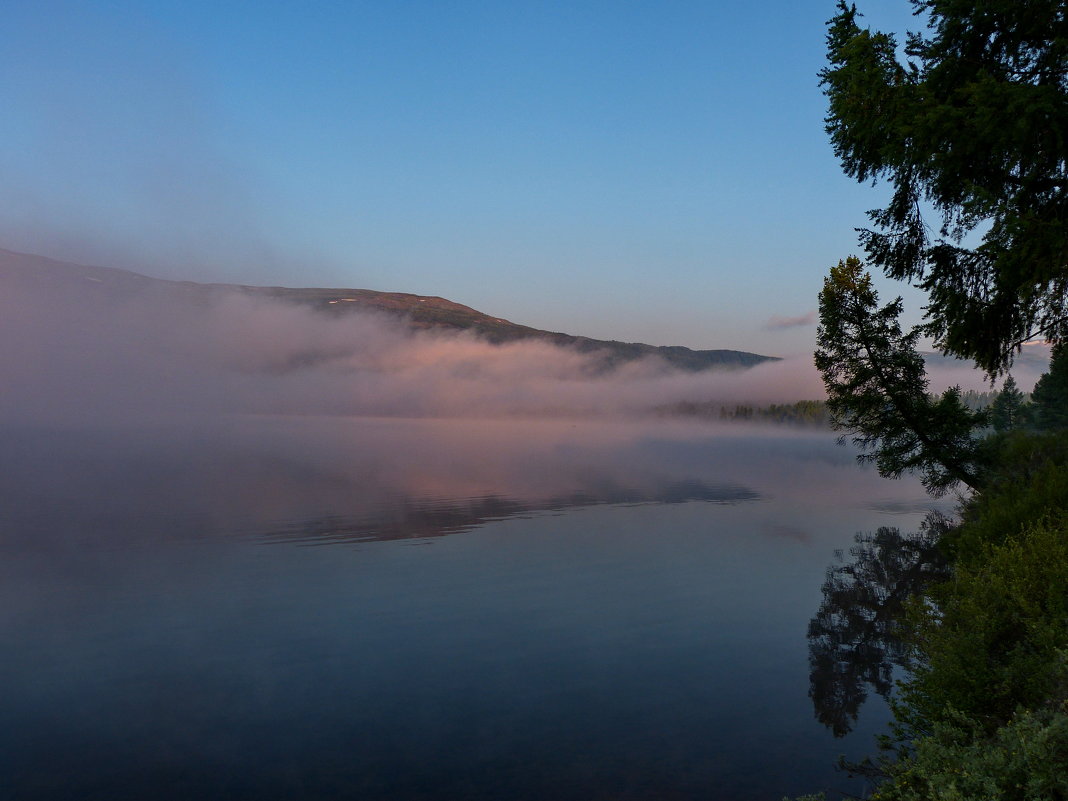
[801, 413]
[976, 400]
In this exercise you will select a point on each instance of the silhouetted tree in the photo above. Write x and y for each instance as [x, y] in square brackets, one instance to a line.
[1050, 396]
[972, 126]
[877, 388]
[1007, 408]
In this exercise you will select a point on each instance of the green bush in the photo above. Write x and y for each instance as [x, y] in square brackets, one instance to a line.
[992, 638]
[1027, 759]
[1030, 481]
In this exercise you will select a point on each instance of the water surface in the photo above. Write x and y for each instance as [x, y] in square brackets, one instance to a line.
[330, 608]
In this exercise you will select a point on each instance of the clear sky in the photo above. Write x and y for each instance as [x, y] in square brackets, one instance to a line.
[653, 171]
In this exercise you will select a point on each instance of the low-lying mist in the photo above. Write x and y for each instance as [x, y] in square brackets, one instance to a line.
[71, 355]
[80, 357]
[162, 410]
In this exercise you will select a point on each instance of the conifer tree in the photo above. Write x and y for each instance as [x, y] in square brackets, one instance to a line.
[1007, 408]
[877, 388]
[970, 129]
[1050, 396]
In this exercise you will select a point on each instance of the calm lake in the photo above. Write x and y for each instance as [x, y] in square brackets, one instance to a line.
[310, 608]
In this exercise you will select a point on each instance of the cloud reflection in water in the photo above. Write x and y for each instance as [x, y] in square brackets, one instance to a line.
[346, 479]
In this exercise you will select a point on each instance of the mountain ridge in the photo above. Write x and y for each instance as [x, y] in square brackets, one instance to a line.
[420, 312]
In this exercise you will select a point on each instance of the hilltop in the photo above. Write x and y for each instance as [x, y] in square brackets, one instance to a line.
[420, 312]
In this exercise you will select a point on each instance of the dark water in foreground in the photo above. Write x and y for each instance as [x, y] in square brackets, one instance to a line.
[287, 609]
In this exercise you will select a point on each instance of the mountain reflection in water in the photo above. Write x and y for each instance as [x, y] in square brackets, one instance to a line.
[358, 480]
[410, 518]
[623, 617]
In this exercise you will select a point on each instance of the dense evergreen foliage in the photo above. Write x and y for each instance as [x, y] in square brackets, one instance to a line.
[984, 712]
[976, 613]
[972, 128]
[1050, 396]
[1006, 412]
[877, 388]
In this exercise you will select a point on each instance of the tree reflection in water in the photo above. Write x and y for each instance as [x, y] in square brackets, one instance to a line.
[854, 638]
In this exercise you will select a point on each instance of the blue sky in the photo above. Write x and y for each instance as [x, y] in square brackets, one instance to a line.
[652, 171]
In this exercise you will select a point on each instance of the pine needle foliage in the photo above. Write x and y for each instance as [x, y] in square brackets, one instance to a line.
[877, 388]
[968, 122]
[1006, 412]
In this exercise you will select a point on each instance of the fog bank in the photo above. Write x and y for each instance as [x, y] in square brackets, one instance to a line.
[72, 356]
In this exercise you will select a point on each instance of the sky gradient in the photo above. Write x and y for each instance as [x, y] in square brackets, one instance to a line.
[637, 171]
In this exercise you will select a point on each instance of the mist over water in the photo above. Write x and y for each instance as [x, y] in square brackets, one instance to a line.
[73, 354]
[252, 551]
[287, 475]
